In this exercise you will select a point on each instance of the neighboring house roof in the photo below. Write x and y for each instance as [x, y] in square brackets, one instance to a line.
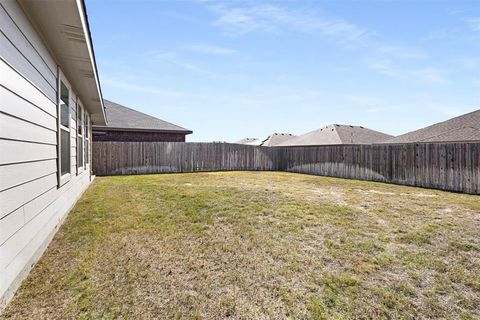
[123, 118]
[268, 141]
[246, 141]
[273, 139]
[463, 128]
[338, 134]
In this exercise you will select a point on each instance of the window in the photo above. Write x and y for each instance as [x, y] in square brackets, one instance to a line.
[87, 139]
[64, 134]
[79, 138]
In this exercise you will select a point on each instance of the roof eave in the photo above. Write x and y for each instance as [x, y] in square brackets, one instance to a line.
[94, 62]
[75, 56]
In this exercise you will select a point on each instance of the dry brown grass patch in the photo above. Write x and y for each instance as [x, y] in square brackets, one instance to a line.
[246, 245]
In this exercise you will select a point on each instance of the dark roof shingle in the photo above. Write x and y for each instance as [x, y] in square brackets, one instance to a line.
[271, 140]
[462, 128]
[121, 117]
[338, 134]
[246, 141]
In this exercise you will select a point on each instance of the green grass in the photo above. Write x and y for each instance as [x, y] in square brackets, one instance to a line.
[258, 246]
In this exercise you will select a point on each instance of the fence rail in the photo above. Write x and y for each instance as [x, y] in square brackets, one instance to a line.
[117, 158]
[446, 166]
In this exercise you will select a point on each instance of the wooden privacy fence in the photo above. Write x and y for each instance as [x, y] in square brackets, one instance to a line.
[116, 158]
[446, 166]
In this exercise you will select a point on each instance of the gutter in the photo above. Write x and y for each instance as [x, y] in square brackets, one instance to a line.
[94, 61]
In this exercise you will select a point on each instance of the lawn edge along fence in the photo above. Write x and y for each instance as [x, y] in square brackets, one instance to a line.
[445, 166]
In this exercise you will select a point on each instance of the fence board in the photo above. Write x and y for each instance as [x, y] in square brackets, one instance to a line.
[446, 166]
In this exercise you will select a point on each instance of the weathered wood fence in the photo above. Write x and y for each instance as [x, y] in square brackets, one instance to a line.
[446, 166]
[117, 158]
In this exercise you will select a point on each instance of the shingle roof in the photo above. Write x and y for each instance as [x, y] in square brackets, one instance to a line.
[463, 128]
[269, 141]
[338, 134]
[246, 140]
[277, 138]
[121, 117]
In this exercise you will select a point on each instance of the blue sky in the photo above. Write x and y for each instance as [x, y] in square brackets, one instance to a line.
[228, 70]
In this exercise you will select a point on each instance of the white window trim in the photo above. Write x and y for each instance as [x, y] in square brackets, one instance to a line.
[86, 144]
[79, 121]
[62, 179]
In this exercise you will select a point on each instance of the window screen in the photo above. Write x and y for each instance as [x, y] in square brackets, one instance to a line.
[87, 138]
[79, 137]
[64, 108]
[80, 151]
[64, 131]
[79, 120]
[87, 144]
[65, 152]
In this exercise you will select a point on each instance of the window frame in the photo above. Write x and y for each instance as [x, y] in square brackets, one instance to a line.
[63, 178]
[80, 137]
[86, 131]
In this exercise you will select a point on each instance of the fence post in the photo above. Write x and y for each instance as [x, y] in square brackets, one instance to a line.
[447, 166]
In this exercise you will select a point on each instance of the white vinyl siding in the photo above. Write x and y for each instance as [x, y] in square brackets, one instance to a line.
[16, 174]
[25, 29]
[23, 109]
[32, 205]
[22, 88]
[19, 151]
[18, 50]
[10, 224]
[14, 198]
[19, 129]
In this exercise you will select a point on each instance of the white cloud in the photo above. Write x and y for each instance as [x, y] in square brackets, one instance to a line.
[474, 23]
[243, 19]
[363, 100]
[430, 76]
[109, 82]
[386, 109]
[466, 62]
[173, 58]
[272, 18]
[239, 21]
[372, 104]
[210, 49]
[442, 34]
[166, 55]
[401, 52]
[467, 31]
[385, 57]
[449, 111]
[385, 67]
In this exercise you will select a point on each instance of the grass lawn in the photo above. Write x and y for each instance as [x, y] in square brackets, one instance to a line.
[259, 245]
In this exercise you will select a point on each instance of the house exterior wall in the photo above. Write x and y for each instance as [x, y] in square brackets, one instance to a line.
[32, 205]
[132, 136]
